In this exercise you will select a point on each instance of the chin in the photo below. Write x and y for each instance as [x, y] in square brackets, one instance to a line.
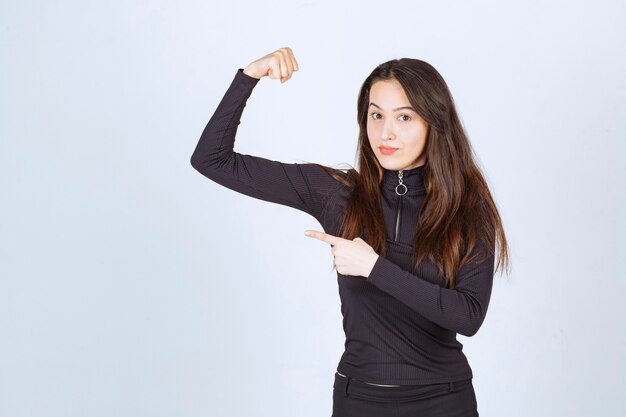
[391, 165]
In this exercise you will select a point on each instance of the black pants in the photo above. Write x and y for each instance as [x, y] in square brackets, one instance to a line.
[354, 398]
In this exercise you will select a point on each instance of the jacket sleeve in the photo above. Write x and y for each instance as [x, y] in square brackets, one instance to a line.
[461, 309]
[303, 186]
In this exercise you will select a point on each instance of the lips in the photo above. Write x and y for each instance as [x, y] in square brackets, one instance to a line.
[385, 150]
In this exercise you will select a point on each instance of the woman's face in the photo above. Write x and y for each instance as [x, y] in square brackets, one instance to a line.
[392, 123]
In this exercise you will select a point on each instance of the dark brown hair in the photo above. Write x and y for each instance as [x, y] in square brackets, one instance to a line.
[458, 213]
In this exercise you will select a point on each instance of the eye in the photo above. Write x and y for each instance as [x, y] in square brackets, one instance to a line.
[409, 117]
[373, 115]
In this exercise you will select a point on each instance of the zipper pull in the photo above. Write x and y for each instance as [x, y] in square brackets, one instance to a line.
[401, 184]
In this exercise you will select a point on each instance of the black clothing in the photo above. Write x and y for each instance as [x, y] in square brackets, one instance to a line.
[352, 397]
[400, 322]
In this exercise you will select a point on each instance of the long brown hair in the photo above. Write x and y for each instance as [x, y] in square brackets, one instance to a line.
[458, 213]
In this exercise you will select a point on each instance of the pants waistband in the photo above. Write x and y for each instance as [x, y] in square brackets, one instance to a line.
[353, 387]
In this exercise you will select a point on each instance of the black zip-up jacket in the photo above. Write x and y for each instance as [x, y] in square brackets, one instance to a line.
[400, 322]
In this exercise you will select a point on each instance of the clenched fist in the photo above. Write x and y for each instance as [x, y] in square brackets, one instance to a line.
[278, 64]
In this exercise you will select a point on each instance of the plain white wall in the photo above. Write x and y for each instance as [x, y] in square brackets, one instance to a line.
[132, 285]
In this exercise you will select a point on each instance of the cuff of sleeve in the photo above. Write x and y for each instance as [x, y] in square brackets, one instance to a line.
[245, 78]
[378, 271]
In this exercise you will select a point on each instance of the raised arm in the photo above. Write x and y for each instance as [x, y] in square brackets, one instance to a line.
[302, 186]
[461, 309]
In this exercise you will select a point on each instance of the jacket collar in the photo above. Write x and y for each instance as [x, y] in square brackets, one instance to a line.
[412, 178]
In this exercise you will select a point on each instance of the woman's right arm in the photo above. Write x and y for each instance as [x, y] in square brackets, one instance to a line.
[303, 186]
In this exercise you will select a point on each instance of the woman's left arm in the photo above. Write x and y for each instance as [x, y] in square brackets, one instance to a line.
[461, 309]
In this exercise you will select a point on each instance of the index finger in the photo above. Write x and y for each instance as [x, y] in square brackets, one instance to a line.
[324, 237]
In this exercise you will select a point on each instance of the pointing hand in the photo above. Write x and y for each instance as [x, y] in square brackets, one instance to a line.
[352, 257]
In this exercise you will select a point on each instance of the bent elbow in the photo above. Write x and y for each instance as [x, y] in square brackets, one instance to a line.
[203, 165]
[210, 163]
[469, 332]
[471, 327]
[194, 161]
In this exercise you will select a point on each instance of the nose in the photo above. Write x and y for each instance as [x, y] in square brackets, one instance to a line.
[387, 132]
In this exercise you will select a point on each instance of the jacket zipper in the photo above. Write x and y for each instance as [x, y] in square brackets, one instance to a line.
[401, 189]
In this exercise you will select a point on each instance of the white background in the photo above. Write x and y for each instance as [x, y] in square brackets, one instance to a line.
[131, 285]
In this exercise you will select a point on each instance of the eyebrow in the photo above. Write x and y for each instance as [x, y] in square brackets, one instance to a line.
[396, 109]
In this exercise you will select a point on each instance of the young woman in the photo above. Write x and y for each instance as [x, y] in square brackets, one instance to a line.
[413, 234]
